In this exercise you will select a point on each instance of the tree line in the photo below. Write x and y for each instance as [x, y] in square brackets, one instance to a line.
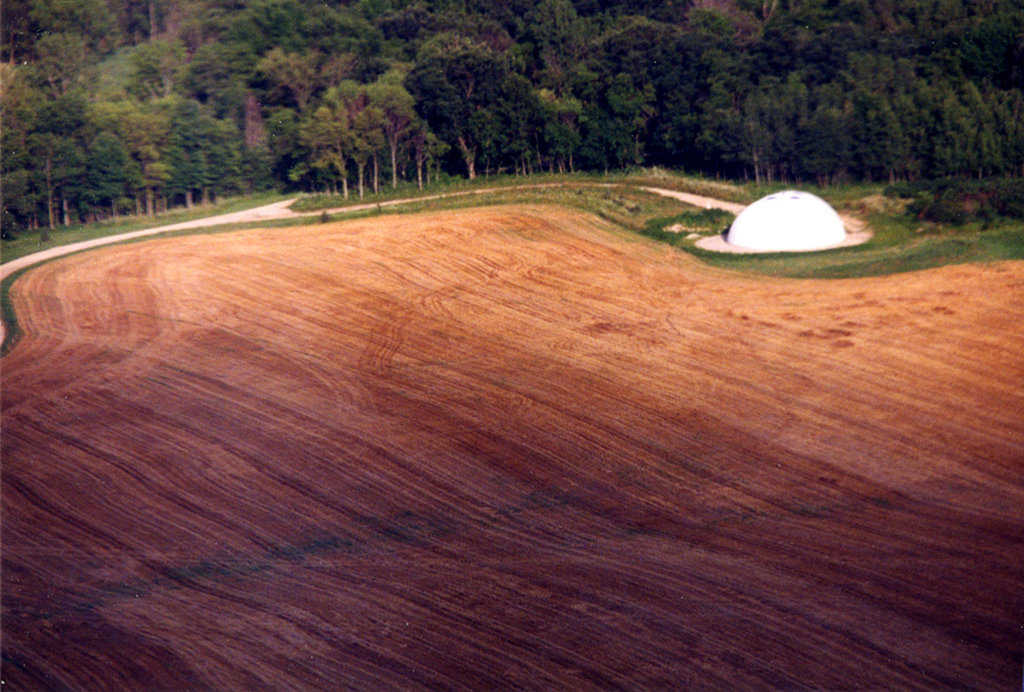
[113, 107]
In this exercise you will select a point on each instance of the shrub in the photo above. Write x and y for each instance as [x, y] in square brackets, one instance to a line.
[949, 211]
[957, 201]
[1009, 199]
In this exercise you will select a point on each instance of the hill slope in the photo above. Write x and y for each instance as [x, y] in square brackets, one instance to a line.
[503, 447]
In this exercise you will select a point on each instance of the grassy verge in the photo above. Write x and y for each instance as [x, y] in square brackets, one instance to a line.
[897, 246]
[626, 207]
[28, 242]
[406, 190]
[12, 332]
[653, 177]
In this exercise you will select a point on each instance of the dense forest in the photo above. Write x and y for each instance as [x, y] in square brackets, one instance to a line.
[113, 107]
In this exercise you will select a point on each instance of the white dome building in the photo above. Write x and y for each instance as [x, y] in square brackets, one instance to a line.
[787, 221]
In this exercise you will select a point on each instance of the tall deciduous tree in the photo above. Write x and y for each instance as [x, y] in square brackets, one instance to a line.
[218, 75]
[327, 134]
[560, 36]
[517, 119]
[561, 129]
[186, 151]
[90, 19]
[366, 122]
[631, 107]
[455, 82]
[19, 104]
[397, 108]
[145, 129]
[426, 148]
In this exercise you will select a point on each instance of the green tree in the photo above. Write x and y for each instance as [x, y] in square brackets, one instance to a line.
[223, 156]
[397, 110]
[631, 107]
[53, 143]
[19, 105]
[44, 147]
[455, 83]
[186, 153]
[16, 30]
[722, 133]
[426, 149]
[156, 66]
[561, 133]
[218, 76]
[825, 148]
[106, 172]
[61, 60]
[145, 129]
[90, 19]
[983, 153]
[327, 134]
[517, 119]
[560, 37]
[366, 124]
[295, 73]
[952, 126]
[262, 24]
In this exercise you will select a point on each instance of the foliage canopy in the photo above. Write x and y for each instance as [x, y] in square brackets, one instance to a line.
[166, 102]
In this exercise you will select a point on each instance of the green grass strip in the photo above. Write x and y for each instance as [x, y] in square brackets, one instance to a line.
[895, 248]
[12, 331]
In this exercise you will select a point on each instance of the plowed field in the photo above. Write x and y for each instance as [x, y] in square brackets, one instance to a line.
[507, 447]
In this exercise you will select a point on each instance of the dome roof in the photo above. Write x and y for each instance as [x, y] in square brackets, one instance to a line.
[788, 220]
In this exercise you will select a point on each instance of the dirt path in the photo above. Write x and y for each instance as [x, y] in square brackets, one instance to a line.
[698, 200]
[502, 447]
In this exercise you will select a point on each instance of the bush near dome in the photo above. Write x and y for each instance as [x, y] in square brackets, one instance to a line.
[958, 201]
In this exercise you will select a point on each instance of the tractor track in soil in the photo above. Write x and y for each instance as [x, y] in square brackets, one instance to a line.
[433, 451]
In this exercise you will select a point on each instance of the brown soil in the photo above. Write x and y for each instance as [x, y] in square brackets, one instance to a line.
[501, 448]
